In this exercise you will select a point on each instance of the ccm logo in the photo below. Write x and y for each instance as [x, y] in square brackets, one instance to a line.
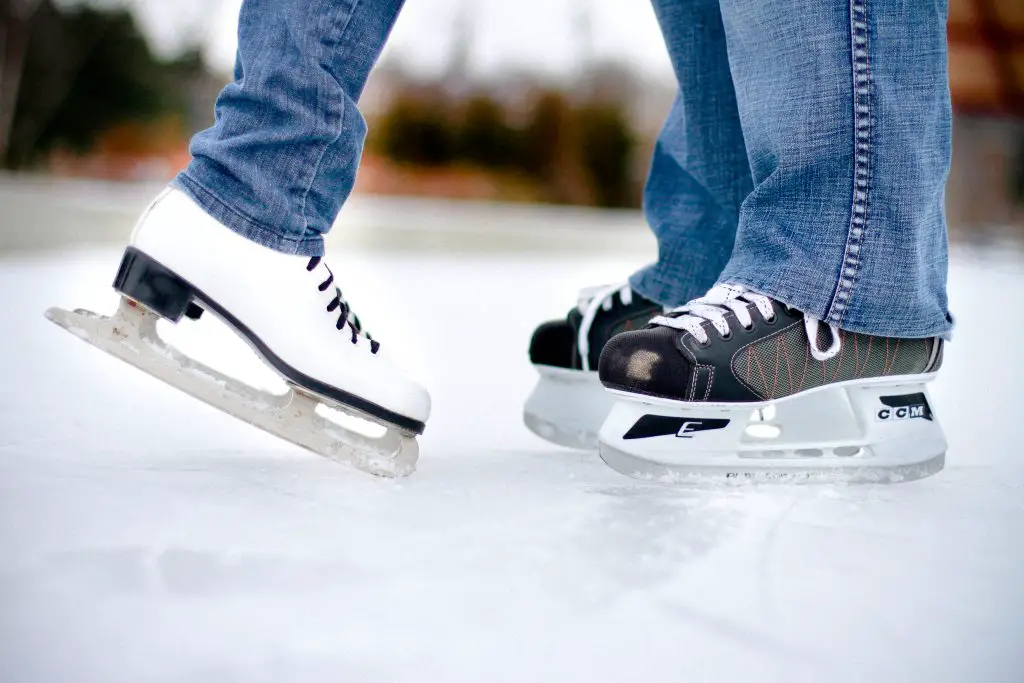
[901, 413]
[905, 407]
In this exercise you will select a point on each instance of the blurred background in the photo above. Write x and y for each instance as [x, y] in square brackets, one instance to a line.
[462, 106]
[145, 537]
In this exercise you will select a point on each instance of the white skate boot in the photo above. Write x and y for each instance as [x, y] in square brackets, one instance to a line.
[736, 385]
[569, 404]
[182, 262]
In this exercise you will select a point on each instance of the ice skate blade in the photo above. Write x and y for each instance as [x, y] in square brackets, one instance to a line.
[880, 430]
[130, 334]
[582, 440]
[639, 468]
[567, 407]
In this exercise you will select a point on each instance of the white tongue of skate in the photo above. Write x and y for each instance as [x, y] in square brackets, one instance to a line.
[727, 297]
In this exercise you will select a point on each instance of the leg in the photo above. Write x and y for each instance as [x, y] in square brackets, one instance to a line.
[699, 173]
[282, 156]
[699, 176]
[239, 237]
[846, 118]
[846, 115]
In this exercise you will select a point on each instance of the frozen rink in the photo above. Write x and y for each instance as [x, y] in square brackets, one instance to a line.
[146, 537]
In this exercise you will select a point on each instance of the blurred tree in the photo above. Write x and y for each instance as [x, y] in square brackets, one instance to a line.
[568, 154]
[85, 71]
[485, 137]
[546, 135]
[14, 22]
[607, 145]
[550, 151]
[419, 130]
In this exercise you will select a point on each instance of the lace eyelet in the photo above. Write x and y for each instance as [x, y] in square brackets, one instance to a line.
[772, 320]
[748, 330]
[727, 336]
[702, 344]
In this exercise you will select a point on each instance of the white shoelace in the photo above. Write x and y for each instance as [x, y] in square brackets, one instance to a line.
[724, 298]
[592, 300]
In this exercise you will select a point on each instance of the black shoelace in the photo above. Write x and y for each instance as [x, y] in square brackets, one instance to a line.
[345, 314]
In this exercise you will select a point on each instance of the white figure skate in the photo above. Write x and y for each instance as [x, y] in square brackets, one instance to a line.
[735, 386]
[182, 262]
[569, 404]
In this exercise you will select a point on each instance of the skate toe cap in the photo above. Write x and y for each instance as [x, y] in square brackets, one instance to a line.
[647, 361]
[552, 344]
[415, 402]
[403, 396]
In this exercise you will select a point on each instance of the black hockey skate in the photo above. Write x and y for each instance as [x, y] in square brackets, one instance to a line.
[569, 404]
[739, 386]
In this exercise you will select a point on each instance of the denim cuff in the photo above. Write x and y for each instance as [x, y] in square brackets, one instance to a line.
[233, 219]
[665, 289]
[938, 324]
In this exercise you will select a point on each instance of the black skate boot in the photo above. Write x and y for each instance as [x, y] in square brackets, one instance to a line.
[738, 385]
[569, 404]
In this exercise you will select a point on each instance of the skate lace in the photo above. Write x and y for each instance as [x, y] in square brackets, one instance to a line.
[725, 298]
[345, 315]
[591, 301]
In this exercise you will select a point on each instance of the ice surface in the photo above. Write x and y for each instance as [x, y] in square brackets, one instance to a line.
[146, 537]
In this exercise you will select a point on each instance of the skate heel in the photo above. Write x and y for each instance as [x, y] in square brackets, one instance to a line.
[146, 281]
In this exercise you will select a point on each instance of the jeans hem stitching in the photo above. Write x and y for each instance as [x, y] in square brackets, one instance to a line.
[862, 130]
[243, 225]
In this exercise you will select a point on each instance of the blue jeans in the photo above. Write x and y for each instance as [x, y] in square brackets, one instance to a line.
[281, 157]
[805, 156]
